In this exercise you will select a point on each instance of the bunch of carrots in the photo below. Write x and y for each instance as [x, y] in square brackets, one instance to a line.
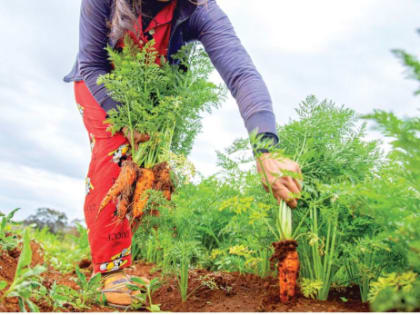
[162, 102]
[128, 190]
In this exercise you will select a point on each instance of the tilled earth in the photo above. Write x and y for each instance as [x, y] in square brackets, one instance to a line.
[208, 291]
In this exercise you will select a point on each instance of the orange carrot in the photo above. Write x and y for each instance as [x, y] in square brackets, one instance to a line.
[288, 273]
[144, 182]
[125, 179]
[122, 207]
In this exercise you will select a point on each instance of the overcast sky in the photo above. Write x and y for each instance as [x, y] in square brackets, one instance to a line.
[338, 50]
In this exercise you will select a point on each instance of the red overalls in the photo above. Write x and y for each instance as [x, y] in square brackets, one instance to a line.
[110, 243]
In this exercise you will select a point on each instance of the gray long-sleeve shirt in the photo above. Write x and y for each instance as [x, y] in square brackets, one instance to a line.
[205, 23]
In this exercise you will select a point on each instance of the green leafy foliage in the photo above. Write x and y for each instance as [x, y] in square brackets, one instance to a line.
[63, 252]
[411, 62]
[395, 292]
[8, 241]
[60, 295]
[361, 259]
[344, 234]
[393, 199]
[27, 281]
[144, 297]
[233, 221]
[310, 288]
[164, 101]
[89, 292]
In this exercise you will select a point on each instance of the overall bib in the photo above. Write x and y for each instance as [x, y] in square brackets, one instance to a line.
[110, 243]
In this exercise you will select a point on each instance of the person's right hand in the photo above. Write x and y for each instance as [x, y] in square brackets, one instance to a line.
[138, 137]
[284, 187]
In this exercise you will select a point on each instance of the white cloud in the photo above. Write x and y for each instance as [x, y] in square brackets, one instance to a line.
[31, 188]
[299, 26]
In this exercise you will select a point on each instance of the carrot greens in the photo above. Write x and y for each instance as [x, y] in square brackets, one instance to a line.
[165, 101]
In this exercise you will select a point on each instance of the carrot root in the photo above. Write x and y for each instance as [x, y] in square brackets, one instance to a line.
[288, 273]
[124, 181]
[144, 182]
[287, 260]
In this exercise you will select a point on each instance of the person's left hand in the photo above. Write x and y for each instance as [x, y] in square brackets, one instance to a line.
[284, 187]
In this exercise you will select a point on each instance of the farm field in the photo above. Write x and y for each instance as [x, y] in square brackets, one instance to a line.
[225, 243]
[231, 295]
[209, 248]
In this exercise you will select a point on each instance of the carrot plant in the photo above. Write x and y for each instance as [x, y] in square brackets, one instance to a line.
[361, 262]
[356, 218]
[393, 200]
[285, 253]
[326, 141]
[395, 291]
[182, 255]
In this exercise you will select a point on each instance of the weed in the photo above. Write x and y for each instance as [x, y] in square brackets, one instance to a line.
[144, 298]
[89, 289]
[27, 282]
[8, 241]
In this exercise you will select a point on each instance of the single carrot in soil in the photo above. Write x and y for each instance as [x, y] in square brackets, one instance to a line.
[144, 182]
[288, 273]
[287, 260]
[125, 179]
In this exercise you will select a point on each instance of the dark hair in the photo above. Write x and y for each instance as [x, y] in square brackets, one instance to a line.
[124, 17]
[125, 13]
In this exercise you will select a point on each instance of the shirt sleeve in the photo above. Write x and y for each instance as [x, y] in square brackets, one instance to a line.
[93, 58]
[215, 31]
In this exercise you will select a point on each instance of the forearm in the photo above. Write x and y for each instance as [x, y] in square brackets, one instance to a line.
[235, 67]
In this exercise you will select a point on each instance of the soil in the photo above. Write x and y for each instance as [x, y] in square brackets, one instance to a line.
[208, 291]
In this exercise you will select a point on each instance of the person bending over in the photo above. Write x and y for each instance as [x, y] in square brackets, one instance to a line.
[171, 23]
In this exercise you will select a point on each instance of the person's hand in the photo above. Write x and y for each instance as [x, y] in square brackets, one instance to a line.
[138, 137]
[284, 187]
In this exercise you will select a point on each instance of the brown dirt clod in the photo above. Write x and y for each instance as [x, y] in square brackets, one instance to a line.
[280, 251]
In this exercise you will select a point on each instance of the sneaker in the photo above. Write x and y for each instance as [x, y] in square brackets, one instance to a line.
[115, 289]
